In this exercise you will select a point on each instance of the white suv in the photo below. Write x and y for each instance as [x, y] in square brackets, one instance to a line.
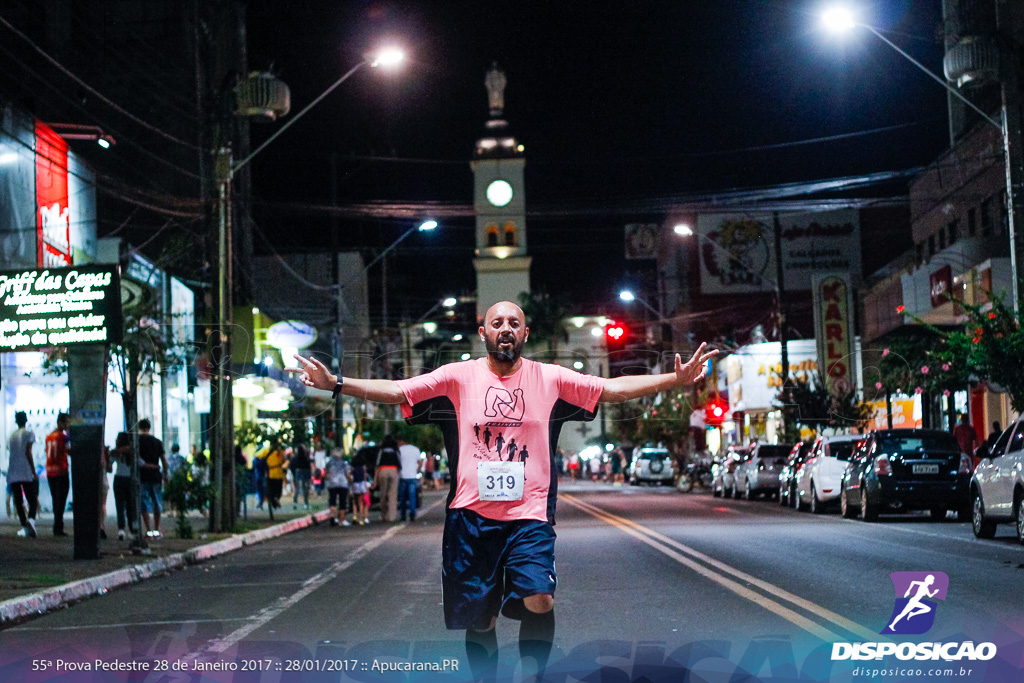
[818, 483]
[997, 487]
[652, 465]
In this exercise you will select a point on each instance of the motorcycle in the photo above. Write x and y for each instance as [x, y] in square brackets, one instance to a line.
[694, 474]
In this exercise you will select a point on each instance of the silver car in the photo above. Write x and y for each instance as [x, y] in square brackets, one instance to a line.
[654, 465]
[758, 474]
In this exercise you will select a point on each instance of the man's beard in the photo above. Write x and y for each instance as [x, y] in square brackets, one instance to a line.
[500, 355]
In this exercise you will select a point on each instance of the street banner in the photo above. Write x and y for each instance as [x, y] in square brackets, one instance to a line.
[834, 332]
[641, 241]
[737, 253]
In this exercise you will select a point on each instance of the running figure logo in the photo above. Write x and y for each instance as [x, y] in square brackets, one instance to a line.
[914, 612]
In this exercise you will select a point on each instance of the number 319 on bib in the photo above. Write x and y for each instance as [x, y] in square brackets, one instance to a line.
[499, 481]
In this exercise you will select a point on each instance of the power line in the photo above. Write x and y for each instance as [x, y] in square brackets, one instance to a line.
[67, 72]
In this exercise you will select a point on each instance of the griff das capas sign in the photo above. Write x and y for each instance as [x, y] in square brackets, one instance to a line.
[59, 306]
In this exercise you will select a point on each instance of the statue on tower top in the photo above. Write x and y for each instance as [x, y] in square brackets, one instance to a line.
[495, 82]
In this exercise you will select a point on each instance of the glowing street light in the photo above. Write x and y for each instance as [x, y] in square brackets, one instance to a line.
[386, 57]
[449, 302]
[627, 295]
[838, 19]
[682, 229]
[427, 225]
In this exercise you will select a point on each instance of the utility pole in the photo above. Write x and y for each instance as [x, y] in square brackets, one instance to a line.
[221, 407]
[1009, 20]
[780, 293]
[339, 302]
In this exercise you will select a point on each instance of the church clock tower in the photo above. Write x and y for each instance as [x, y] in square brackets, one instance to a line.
[499, 201]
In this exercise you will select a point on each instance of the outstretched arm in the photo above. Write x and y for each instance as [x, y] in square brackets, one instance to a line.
[624, 388]
[315, 374]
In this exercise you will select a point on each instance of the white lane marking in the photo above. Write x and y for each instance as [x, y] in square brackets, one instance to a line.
[807, 605]
[776, 608]
[131, 624]
[267, 614]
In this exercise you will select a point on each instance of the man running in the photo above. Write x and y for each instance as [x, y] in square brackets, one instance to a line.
[915, 606]
[498, 550]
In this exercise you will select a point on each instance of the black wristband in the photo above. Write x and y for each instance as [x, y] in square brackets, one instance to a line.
[337, 388]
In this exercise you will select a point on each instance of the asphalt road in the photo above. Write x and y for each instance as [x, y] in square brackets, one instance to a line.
[651, 583]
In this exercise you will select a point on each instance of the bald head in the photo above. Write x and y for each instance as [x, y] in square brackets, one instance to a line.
[505, 308]
[504, 332]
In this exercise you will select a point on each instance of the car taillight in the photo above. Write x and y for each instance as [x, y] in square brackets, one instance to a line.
[882, 466]
[966, 464]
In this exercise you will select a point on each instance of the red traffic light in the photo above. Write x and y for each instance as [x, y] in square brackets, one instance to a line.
[615, 332]
[715, 411]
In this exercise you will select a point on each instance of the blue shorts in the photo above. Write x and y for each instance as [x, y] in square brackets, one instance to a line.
[489, 565]
[152, 496]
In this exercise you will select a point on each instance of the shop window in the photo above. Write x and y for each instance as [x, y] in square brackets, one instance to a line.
[931, 245]
[510, 234]
[972, 220]
[492, 235]
[953, 232]
[942, 240]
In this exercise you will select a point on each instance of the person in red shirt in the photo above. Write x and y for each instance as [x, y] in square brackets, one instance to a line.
[498, 549]
[57, 471]
[966, 436]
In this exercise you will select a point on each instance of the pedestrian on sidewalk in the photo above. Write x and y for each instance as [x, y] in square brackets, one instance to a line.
[338, 475]
[57, 471]
[966, 437]
[360, 490]
[124, 498]
[275, 478]
[153, 476]
[21, 474]
[385, 478]
[259, 470]
[301, 468]
[409, 470]
[498, 553]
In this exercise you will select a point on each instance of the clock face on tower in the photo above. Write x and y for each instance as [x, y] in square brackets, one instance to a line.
[499, 193]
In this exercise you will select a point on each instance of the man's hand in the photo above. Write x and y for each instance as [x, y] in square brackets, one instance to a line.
[314, 373]
[694, 369]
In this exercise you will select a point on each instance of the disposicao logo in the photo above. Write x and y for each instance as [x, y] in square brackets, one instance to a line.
[913, 613]
[916, 595]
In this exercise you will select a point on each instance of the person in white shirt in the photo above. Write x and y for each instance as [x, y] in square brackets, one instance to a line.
[408, 475]
[22, 476]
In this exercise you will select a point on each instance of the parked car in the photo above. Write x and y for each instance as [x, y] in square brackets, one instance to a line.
[997, 487]
[654, 465]
[758, 474]
[723, 470]
[787, 477]
[898, 470]
[818, 482]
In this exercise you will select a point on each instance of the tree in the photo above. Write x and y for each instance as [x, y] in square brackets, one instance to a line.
[545, 316]
[816, 408]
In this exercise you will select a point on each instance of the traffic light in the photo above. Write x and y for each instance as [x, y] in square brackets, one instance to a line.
[615, 335]
[715, 411]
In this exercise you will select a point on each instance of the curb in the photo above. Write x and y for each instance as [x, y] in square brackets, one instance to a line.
[29, 606]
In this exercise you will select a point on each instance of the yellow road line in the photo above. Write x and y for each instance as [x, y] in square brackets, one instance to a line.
[665, 545]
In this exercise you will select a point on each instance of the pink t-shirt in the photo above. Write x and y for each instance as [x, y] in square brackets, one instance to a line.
[515, 418]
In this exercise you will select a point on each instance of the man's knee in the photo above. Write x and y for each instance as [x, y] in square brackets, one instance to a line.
[494, 622]
[540, 603]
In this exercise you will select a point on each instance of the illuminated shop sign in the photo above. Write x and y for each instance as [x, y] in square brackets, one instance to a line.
[53, 216]
[58, 307]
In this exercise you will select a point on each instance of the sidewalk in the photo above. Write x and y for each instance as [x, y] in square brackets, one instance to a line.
[39, 574]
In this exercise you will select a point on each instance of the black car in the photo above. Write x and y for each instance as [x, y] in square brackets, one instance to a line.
[787, 477]
[897, 470]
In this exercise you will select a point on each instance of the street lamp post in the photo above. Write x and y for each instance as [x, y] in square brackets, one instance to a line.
[1010, 125]
[222, 439]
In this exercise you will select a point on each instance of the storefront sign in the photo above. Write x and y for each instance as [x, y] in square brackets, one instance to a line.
[753, 373]
[833, 330]
[291, 334]
[53, 215]
[59, 306]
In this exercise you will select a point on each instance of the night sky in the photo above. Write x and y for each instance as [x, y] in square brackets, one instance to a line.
[618, 104]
